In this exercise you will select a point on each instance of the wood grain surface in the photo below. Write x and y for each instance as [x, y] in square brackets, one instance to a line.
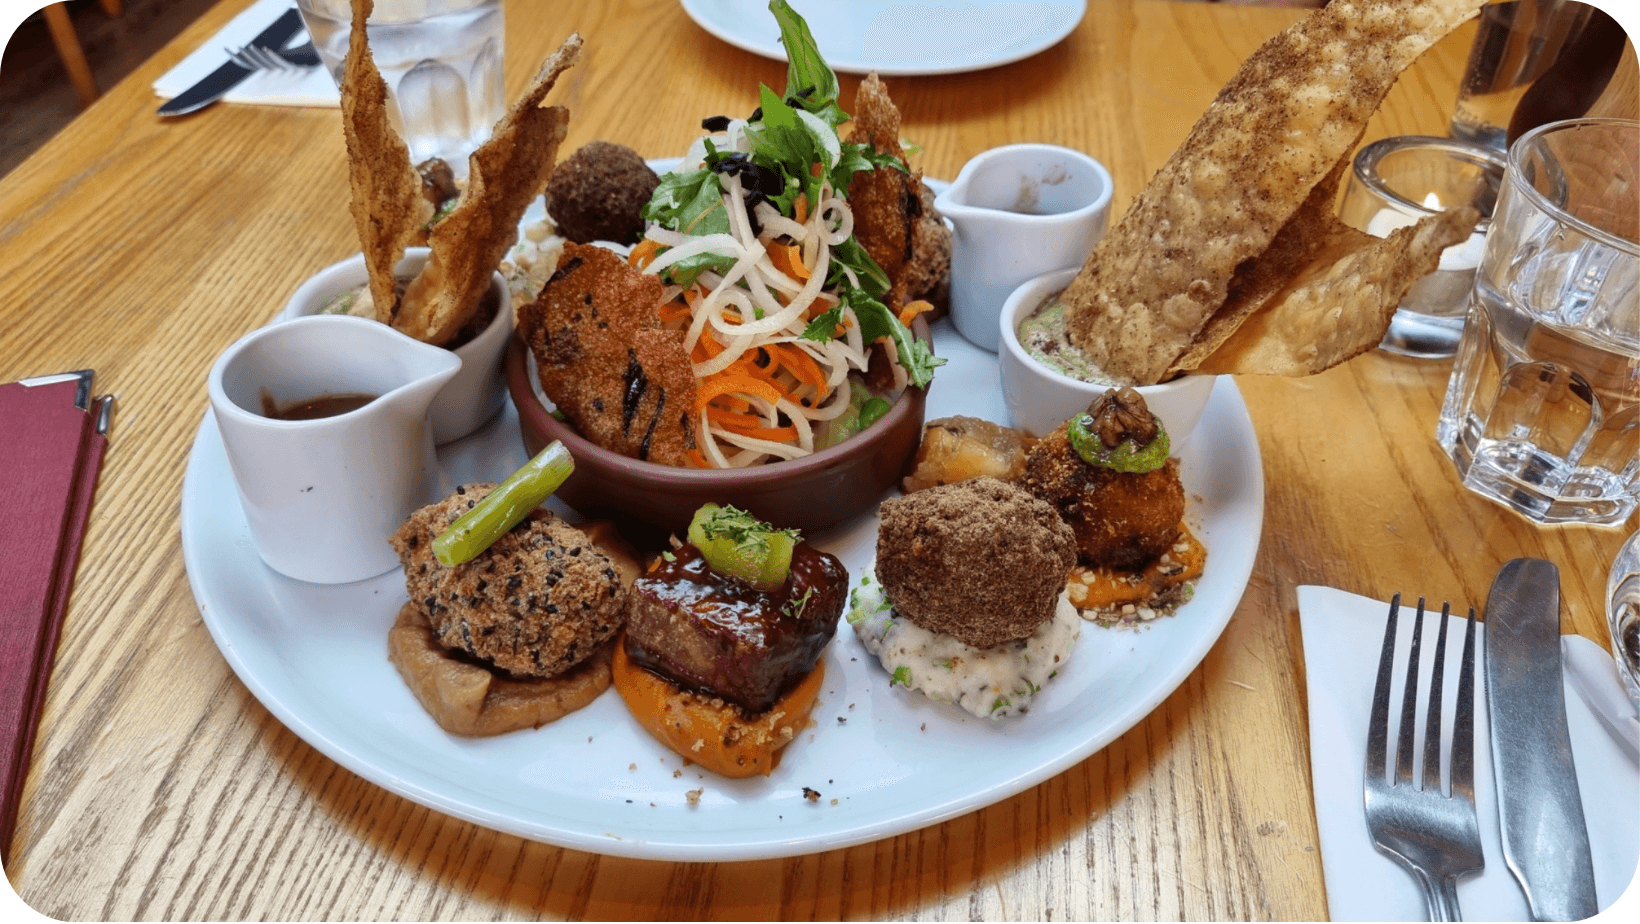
[161, 789]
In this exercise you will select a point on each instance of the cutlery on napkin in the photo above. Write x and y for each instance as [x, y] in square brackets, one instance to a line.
[52, 439]
[1341, 632]
[311, 86]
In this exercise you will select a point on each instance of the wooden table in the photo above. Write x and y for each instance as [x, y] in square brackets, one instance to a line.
[161, 789]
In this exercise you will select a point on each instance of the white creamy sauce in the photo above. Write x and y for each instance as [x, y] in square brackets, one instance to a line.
[988, 682]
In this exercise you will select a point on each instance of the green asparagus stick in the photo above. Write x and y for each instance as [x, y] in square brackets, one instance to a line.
[503, 508]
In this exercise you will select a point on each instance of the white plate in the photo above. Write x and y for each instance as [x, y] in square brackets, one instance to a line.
[893, 762]
[861, 36]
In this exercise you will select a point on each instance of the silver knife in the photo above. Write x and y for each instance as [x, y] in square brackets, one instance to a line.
[1545, 842]
[228, 76]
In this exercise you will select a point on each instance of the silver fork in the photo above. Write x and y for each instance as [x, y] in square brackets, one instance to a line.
[262, 58]
[1435, 836]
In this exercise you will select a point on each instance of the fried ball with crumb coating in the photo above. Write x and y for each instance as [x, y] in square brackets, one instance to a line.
[596, 194]
[981, 560]
[540, 600]
[1122, 520]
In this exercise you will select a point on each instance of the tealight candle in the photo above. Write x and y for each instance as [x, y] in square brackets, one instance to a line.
[1397, 182]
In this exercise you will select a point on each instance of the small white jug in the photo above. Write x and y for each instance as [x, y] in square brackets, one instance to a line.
[323, 495]
[1017, 212]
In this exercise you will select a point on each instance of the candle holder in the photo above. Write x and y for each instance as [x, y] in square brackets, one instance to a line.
[1399, 181]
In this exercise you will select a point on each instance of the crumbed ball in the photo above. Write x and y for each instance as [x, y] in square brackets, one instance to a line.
[1121, 519]
[980, 560]
[596, 194]
[539, 601]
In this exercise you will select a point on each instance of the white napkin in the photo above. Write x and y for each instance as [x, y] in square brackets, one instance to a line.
[307, 87]
[1342, 634]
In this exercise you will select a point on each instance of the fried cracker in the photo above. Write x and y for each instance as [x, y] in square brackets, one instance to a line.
[504, 175]
[1255, 281]
[894, 216]
[877, 196]
[387, 205]
[1340, 304]
[1281, 125]
[604, 360]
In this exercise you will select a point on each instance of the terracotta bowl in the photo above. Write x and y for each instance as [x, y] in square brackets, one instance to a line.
[809, 494]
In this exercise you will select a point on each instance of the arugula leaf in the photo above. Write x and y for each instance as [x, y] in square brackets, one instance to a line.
[789, 140]
[691, 202]
[852, 254]
[877, 321]
[855, 157]
[824, 326]
[808, 76]
[686, 201]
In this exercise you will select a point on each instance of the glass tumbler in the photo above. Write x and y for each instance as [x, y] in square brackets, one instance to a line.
[442, 60]
[1398, 182]
[1623, 615]
[1542, 412]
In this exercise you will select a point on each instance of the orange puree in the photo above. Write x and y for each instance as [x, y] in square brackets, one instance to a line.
[1134, 596]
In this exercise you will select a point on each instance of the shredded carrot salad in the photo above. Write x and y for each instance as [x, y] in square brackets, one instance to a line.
[764, 392]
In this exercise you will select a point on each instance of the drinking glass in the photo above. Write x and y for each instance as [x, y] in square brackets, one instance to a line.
[1623, 615]
[1563, 43]
[1542, 412]
[1398, 182]
[442, 60]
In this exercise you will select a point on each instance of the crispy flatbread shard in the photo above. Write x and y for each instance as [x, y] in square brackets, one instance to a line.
[623, 381]
[503, 176]
[1255, 281]
[1340, 305]
[894, 216]
[386, 201]
[1280, 125]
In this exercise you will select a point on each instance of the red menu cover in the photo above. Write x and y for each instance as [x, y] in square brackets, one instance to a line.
[49, 455]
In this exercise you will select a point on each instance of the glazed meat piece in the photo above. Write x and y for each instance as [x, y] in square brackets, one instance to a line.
[715, 634]
[1121, 519]
[539, 601]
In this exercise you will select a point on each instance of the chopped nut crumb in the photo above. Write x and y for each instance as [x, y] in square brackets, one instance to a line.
[693, 795]
[810, 794]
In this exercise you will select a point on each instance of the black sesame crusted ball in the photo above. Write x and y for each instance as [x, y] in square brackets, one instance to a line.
[539, 601]
[980, 560]
[597, 193]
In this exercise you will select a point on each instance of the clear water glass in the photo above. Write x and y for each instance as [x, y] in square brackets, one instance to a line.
[1623, 615]
[442, 60]
[1542, 412]
[1516, 42]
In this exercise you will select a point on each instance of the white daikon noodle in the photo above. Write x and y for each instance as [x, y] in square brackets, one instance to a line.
[753, 304]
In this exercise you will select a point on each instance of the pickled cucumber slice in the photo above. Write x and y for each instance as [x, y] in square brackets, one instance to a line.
[739, 545]
[503, 508]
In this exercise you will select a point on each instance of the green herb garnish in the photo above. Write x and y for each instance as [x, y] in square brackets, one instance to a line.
[739, 545]
[1128, 456]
